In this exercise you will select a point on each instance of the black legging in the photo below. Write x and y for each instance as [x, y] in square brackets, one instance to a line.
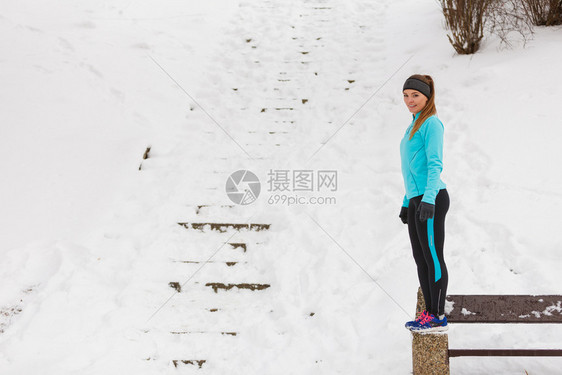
[427, 239]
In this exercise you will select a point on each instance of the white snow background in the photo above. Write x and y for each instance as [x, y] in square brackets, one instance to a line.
[89, 242]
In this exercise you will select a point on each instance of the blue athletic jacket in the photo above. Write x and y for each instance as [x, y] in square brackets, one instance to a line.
[422, 160]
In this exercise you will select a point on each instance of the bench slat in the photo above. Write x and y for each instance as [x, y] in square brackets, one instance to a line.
[505, 353]
[504, 309]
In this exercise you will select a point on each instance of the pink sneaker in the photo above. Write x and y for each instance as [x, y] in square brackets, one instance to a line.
[420, 317]
[430, 324]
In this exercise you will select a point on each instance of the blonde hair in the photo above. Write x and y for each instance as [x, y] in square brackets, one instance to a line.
[429, 109]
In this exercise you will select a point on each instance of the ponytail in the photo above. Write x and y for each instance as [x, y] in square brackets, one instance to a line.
[429, 109]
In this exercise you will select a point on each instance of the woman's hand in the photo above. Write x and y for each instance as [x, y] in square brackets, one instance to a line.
[404, 214]
[426, 211]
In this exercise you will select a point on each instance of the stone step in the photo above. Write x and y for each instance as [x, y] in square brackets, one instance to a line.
[216, 286]
[278, 132]
[227, 263]
[277, 109]
[269, 132]
[238, 245]
[222, 227]
[248, 286]
[195, 362]
[213, 307]
[223, 333]
[285, 122]
[222, 316]
[206, 206]
[275, 100]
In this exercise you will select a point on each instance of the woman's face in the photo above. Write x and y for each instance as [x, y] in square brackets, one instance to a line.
[414, 100]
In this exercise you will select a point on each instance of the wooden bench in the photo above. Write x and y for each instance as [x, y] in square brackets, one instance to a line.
[489, 309]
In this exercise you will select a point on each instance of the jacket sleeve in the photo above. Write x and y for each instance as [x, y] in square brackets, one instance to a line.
[433, 139]
[405, 202]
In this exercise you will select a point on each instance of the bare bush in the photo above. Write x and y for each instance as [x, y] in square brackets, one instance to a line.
[505, 18]
[543, 12]
[465, 20]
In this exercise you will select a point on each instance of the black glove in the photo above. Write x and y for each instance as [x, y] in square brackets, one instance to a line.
[426, 211]
[404, 214]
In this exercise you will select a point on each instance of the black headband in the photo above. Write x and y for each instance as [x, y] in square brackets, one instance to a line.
[419, 85]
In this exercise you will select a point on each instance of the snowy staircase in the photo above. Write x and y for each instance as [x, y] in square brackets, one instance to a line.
[222, 227]
[281, 87]
[296, 83]
[215, 308]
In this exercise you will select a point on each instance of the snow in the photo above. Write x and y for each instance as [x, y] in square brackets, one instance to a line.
[464, 311]
[90, 242]
[548, 310]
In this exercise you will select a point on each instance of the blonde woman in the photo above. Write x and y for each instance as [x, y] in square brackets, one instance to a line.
[426, 201]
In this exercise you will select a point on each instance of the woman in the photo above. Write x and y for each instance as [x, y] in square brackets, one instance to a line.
[426, 200]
